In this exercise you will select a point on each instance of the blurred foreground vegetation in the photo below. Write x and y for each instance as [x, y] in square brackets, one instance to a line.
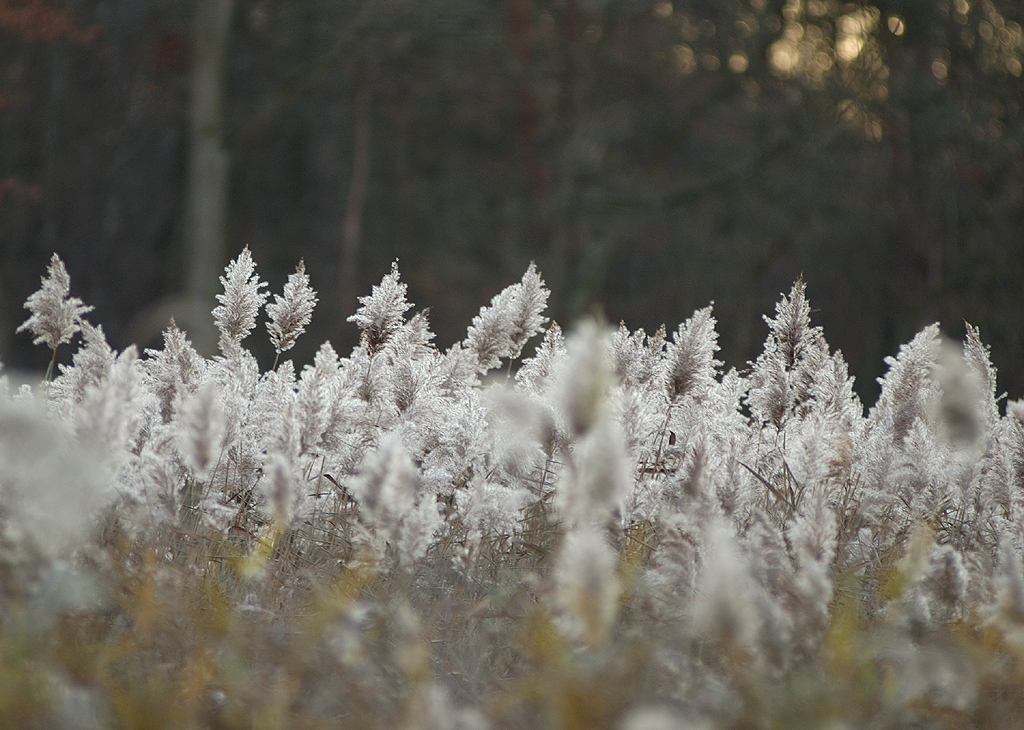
[621, 535]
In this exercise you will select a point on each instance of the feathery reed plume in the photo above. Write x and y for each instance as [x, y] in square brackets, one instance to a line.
[585, 378]
[201, 431]
[113, 413]
[279, 492]
[536, 372]
[726, 609]
[977, 354]
[501, 330]
[240, 302]
[637, 357]
[783, 376]
[385, 483]
[601, 476]
[90, 366]
[908, 388]
[175, 372]
[382, 313]
[587, 586]
[813, 536]
[691, 362]
[530, 299]
[289, 314]
[56, 317]
[959, 407]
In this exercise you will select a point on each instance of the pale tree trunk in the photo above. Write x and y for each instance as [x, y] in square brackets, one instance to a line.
[352, 227]
[206, 197]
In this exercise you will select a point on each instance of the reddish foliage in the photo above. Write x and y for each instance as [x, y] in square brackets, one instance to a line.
[12, 101]
[169, 52]
[18, 190]
[36, 21]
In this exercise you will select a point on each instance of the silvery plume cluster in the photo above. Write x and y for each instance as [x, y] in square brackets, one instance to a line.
[730, 519]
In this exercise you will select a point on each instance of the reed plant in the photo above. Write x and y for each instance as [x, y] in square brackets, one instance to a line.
[608, 532]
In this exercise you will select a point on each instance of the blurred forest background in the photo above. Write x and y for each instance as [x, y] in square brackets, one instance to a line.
[650, 156]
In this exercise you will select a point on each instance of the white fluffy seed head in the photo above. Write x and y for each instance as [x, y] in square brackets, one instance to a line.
[56, 317]
[383, 312]
[279, 491]
[959, 411]
[240, 303]
[585, 378]
[587, 586]
[594, 489]
[726, 609]
[289, 314]
[50, 485]
[201, 431]
[385, 483]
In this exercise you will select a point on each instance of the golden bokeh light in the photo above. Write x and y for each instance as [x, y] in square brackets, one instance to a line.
[738, 63]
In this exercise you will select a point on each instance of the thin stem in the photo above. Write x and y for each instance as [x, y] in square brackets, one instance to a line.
[49, 370]
[276, 358]
[661, 434]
